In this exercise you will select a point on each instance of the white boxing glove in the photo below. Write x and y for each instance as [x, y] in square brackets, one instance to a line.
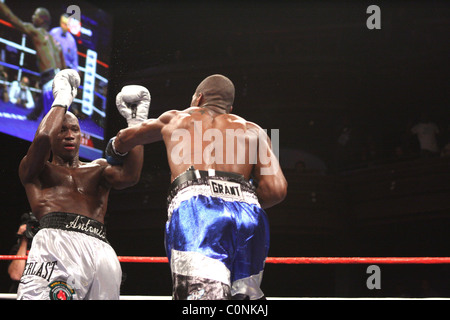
[65, 86]
[133, 103]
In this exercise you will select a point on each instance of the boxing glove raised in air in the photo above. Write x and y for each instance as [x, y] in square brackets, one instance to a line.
[133, 103]
[65, 86]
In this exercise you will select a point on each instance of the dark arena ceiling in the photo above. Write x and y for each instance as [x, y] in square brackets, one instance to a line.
[297, 65]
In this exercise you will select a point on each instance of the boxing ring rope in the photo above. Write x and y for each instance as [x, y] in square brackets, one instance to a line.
[295, 260]
[319, 260]
[274, 260]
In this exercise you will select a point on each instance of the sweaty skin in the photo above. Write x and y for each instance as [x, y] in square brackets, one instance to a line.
[48, 52]
[271, 187]
[66, 184]
[193, 119]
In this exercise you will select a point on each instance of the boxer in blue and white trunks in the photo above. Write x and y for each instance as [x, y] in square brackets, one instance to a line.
[70, 257]
[217, 233]
[46, 83]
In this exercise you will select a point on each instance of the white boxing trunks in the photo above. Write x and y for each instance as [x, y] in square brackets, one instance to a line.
[70, 259]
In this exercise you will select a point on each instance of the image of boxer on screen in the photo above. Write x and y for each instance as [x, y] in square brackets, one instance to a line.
[50, 58]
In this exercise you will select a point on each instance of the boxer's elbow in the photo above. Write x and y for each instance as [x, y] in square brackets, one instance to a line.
[273, 192]
[279, 191]
[127, 181]
[15, 276]
[134, 179]
[42, 138]
[282, 190]
[15, 271]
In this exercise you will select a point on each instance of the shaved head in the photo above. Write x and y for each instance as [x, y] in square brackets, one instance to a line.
[217, 90]
[42, 18]
[71, 115]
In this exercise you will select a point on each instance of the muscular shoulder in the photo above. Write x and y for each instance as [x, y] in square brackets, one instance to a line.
[102, 167]
[241, 122]
[174, 117]
[98, 162]
[252, 126]
[98, 165]
[30, 29]
[168, 116]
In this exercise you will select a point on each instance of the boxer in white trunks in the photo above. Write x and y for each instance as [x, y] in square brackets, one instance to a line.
[70, 257]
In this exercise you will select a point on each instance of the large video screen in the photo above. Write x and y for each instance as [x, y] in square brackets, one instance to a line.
[81, 38]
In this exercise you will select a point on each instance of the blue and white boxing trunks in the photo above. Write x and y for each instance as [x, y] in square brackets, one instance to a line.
[47, 88]
[217, 237]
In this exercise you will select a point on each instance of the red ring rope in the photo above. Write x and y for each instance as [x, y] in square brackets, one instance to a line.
[297, 260]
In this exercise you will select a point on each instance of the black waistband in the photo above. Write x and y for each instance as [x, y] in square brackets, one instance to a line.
[195, 177]
[192, 174]
[74, 222]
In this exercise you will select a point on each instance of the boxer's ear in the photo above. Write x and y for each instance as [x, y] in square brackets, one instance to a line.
[198, 100]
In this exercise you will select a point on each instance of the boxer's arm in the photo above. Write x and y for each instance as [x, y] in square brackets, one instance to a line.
[65, 86]
[8, 15]
[39, 151]
[61, 54]
[16, 267]
[127, 174]
[272, 185]
[147, 132]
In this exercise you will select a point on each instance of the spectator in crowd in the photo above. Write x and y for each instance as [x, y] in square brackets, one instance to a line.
[445, 152]
[427, 131]
[25, 234]
[20, 93]
[4, 96]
